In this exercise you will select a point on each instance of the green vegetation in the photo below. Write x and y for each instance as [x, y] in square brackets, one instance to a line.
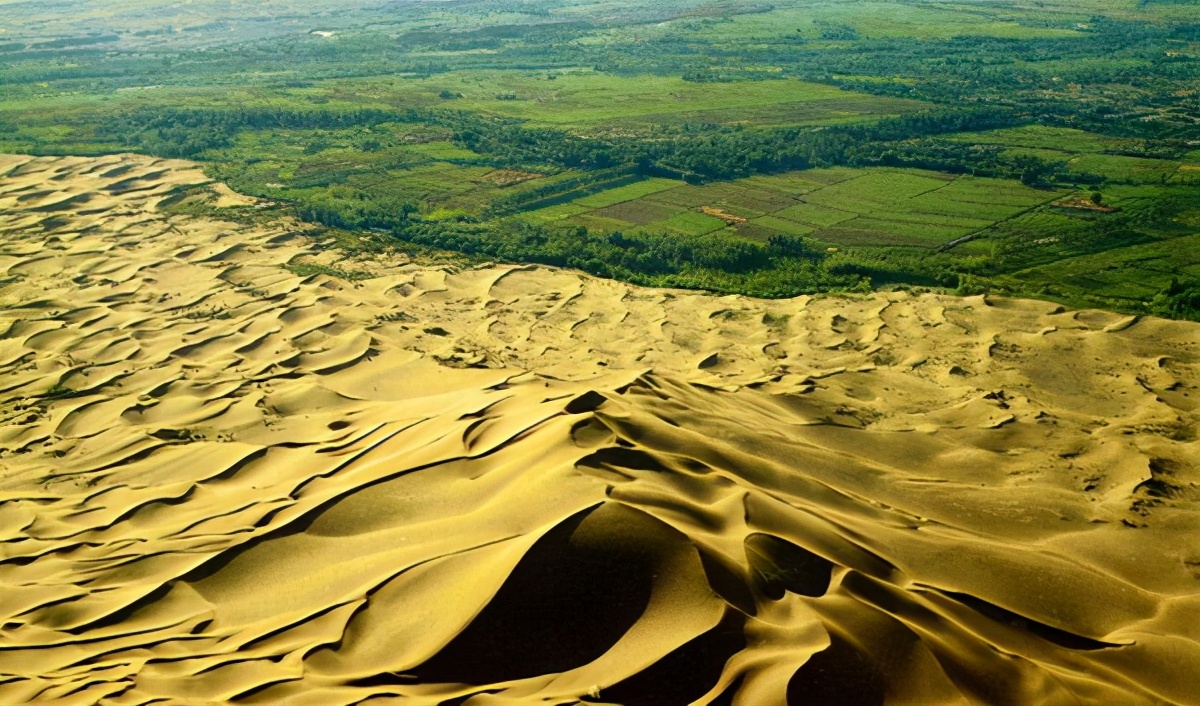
[307, 269]
[1043, 149]
[1178, 301]
[584, 100]
[871, 207]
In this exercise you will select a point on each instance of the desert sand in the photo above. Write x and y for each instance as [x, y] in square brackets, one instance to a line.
[224, 482]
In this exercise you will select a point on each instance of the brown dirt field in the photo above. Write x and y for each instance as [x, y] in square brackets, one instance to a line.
[509, 177]
[1083, 203]
[718, 213]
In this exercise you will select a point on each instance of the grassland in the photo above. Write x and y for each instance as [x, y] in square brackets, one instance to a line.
[587, 99]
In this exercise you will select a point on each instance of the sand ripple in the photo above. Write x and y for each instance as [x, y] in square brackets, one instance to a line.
[220, 481]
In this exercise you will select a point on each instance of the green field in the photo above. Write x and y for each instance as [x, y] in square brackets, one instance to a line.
[1125, 276]
[626, 193]
[587, 99]
[1121, 160]
[1059, 139]
[867, 207]
[877, 20]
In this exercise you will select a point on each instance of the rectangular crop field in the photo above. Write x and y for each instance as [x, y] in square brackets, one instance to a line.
[689, 223]
[1133, 273]
[639, 211]
[555, 213]
[815, 215]
[780, 225]
[1136, 170]
[860, 207]
[627, 193]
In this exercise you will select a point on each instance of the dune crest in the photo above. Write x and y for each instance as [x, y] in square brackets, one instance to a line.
[224, 482]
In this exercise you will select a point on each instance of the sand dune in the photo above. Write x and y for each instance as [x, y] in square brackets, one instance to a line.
[220, 481]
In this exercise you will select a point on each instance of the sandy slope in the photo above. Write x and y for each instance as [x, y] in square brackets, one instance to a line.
[223, 482]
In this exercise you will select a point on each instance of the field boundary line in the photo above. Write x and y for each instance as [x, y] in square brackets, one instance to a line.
[947, 247]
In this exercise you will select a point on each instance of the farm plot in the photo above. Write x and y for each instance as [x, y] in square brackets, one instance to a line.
[685, 196]
[438, 185]
[600, 223]
[780, 225]
[815, 215]
[876, 207]
[639, 212]
[1134, 273]
[629, 192]
[875, 188]
[1109, 157]
[691, 223]
[872, 231]
[793, 183]
[1131, 170]
[734, 198]
[917, 209]
[556, 212]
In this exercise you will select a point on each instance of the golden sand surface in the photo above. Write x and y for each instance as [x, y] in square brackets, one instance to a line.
[224, 482]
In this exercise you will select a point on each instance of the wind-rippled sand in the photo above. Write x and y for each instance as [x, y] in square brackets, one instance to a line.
[221, 481]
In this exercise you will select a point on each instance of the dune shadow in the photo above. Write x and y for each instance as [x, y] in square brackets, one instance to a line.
[781, 566]
[579, 589]
[685, 674]
[840, 674]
